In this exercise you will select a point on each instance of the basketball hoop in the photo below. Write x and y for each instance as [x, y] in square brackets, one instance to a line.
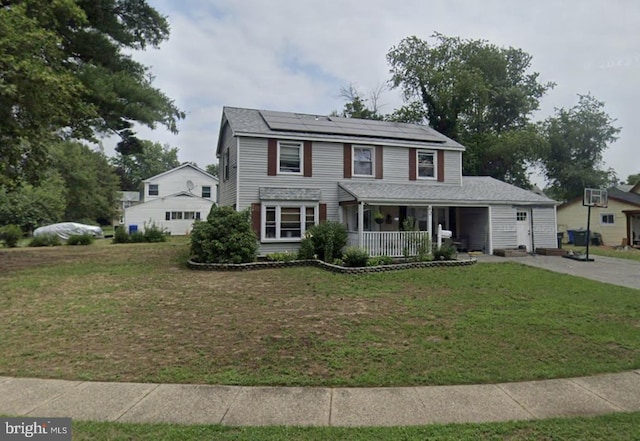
[595, 197]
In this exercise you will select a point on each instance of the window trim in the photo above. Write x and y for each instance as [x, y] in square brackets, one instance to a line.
[372, 148]
[608, 224]
[157, 188]
[300, 146]
[434, 153]
[302, 206]
[203, 192]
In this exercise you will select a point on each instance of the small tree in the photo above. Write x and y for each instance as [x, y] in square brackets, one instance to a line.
[225, 237]
[324, 241]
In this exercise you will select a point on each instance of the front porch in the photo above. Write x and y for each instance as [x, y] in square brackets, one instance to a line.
[393, 243]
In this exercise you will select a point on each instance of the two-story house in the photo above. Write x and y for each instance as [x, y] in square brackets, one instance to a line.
[174, 200]
[295, 170]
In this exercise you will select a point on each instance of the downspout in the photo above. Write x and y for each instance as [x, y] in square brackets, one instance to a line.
[237, 173]
[533, 242]
[490, 230]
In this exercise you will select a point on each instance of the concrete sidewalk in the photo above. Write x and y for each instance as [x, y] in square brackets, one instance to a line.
[293, 406]
[622, 272]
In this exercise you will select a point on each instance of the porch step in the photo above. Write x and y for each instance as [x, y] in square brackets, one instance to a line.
[510, 252]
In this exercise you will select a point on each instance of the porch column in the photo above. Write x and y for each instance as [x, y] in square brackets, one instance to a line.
[430, 220]
[360, 224]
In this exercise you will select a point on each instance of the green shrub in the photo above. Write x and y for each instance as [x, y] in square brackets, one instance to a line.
[445, 253]
[120, 235]
[10, 235]
[225, 237]
[379, 260]
[137, 237]
[80, 239]
[153, 233]
[284, 256]
[45, 240]
[306, 251]
[328, 239]
[355, 257]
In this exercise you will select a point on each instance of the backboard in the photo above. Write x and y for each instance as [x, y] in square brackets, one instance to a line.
[595, 197]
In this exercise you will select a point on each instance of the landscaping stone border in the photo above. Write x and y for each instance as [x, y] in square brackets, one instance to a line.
[327, 266]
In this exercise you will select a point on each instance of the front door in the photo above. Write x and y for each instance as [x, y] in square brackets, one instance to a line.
[523, 227]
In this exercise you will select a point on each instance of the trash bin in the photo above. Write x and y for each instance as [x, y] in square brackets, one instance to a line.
[133, 229]
[570, 235]
[580, 238]
[596, 239]
[560, 236]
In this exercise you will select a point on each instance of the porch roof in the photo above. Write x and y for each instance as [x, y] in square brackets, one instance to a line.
[475, 190]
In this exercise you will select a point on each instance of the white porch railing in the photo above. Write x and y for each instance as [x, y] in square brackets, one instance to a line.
[393, 243]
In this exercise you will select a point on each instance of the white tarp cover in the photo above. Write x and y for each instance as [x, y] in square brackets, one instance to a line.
[66, 229]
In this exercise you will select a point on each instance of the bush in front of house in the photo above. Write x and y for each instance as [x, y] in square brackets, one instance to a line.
[153, 233]
[225, 237]
[445, 253]
[355, 257]
[324, 241]
[80, 239]
[284, 256]
[120, 235]
[45, 240]
[379, 261]
[10, 235]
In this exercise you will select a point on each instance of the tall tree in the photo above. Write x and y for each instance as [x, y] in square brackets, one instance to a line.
[359, 107]
[91, 184]
[154, 159]
[633, 179]
[476, 93]
[65, 74]
[212, 169]
[577, 138]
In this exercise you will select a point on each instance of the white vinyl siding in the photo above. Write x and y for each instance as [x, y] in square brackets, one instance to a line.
[544, 227]
[503, 228]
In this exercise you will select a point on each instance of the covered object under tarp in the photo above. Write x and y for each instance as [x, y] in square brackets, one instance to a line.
[66, 229]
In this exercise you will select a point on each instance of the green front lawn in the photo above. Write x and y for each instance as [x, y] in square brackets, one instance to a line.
[619, 427]
[135, 313]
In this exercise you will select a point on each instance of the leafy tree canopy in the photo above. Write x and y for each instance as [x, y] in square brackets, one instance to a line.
[577, 138]
[153, 159]
[476, 93]
[212, 169]
[633, 179]
[65, 75]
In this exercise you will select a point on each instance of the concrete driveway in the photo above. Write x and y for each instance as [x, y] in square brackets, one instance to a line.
[622, 272]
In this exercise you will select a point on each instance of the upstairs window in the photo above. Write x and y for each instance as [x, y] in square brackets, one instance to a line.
[426, 164]
[363, 161]
[290, 157]
[153, 189]
[206, 191]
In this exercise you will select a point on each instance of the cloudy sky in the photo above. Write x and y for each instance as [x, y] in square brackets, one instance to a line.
[295, 55]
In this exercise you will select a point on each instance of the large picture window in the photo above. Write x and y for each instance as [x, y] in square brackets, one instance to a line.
[290, 157]
[363, 161]
[426, 164]
[287, 222]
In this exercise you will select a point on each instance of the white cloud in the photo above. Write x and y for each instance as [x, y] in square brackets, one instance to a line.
[287, 55]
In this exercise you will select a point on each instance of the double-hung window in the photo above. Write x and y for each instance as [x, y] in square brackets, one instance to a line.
[153, 189]
[426, 164]
[287, 222]
[206, 191]
[607, 219]
[290, 157]
[363, 161]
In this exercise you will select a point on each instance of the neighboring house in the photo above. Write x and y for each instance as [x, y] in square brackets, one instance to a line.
[126, 199]
[174, 200]
[618, 224]
[295, 170]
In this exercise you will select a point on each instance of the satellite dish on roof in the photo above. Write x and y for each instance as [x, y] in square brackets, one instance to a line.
[190, 185]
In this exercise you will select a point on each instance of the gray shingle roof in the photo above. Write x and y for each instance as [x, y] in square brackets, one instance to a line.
[252, 122]
[626, 196]
[474, 190]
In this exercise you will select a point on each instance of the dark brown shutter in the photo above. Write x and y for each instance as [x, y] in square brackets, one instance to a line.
[308, 163]
[379, 162]
[323, 213]
[347, 160]
[255, 218]
[412, 164]
[272, 157]
[440, 165]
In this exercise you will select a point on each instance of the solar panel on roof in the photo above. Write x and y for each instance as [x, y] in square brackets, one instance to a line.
[293, 122]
